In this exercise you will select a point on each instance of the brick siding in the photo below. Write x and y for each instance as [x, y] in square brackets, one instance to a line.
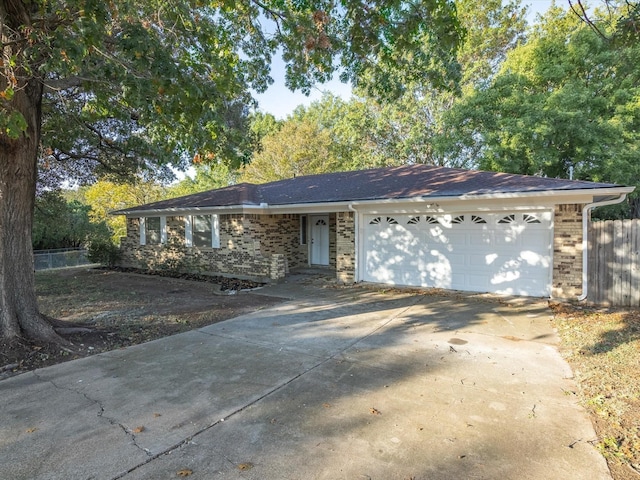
[266, 247]
[345, 247]
[567, 252]
[253, 246]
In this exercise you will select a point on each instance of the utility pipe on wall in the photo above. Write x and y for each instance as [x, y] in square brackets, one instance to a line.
[586, 217]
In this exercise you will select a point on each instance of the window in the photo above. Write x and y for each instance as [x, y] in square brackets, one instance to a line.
[202, 231]
[303, 229]
[507, 219]
[153, 230]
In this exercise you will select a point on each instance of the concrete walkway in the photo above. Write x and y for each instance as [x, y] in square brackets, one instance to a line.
[350, 383]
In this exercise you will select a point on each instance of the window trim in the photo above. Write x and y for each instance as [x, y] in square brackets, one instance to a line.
[189, 223]
[143, 230]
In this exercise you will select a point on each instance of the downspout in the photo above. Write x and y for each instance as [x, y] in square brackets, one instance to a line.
[586, 216]
[356, 241]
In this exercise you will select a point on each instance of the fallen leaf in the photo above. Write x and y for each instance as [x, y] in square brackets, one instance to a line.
[185, 473]
[374, 411]
[245, 466]
[138, 429]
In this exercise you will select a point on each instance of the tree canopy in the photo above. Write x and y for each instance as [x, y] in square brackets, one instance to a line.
[564, 104]
[91, 88]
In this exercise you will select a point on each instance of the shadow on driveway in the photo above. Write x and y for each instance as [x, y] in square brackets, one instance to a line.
[337, 383]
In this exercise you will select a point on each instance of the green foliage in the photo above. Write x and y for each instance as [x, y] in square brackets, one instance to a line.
[300, 147]
[104, 197]
[62, 224]
[566, 102]
[104, 252]
[366, 133]
[131, 85]
[207, 177]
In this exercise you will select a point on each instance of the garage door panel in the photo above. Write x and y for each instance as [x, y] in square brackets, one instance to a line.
[466, 252]
[477, 282]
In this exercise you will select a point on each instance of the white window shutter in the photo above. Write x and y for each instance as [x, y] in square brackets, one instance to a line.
[163, 230]
[215, 231]
[188, 231]
[143, 231]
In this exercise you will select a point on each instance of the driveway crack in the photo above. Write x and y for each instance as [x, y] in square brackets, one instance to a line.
[270, 392]
[101, 410]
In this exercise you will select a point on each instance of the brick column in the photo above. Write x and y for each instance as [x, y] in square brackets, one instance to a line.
[345, 247]
[567, 252]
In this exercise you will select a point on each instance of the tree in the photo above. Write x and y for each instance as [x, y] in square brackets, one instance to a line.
[105, 196]
[116, 87]
[59, 223]
[207, 177]
[565, 104]
[403, 131]
[300, 147]
[622, 19]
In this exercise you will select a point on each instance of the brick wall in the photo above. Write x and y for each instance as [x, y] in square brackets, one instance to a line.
[567, 252]
[253, 246]
[345, 247]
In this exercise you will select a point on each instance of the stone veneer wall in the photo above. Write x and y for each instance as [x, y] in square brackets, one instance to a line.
[254, 246]
[345, 247]
[567, 252]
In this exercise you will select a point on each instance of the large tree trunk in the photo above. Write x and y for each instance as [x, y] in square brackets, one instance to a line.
[19, 315]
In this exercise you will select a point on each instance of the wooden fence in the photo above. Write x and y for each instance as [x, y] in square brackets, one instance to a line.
[614, 263]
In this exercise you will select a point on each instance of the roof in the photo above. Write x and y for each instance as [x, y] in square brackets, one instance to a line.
[408, 181]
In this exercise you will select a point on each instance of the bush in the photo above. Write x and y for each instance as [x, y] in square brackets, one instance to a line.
[103, 252]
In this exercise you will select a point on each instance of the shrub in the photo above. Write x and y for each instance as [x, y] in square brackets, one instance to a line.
[104, 252]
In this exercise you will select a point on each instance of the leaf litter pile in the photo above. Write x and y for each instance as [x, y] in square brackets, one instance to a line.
[106, 310]
[603, 348]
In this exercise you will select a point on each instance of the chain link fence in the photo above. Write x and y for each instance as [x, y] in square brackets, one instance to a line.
[60, 258]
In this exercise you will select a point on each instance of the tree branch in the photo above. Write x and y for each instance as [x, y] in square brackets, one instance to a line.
[585, 18]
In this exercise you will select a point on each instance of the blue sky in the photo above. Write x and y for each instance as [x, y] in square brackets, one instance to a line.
[280, 101]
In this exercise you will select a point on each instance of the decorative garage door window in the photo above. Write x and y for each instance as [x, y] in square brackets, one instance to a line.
[484, 252]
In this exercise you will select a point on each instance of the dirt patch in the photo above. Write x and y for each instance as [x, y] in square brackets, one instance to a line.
[120, 309]
[603, 348]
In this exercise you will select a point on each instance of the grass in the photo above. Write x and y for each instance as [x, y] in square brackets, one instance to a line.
[603, 348]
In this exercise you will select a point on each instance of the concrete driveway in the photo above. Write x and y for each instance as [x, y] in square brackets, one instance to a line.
[350, 383]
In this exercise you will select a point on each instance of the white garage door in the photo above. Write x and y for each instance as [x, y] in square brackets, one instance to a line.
[482, 252]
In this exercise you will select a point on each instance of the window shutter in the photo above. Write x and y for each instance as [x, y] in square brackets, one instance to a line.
[163, 230]
[143, 232]
[188, 231]
[215, 231]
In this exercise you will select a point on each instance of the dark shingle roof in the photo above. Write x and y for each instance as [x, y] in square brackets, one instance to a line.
[407, 181]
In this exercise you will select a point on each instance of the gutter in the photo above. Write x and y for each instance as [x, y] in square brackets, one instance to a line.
[586, 217]
[552, 195]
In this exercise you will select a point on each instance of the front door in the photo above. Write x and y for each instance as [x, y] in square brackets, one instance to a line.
[319, 240]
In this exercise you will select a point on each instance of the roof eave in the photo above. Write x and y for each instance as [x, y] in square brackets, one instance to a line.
[553, 196]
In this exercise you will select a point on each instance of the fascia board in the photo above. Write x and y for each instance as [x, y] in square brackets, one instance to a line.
[233, 209]
[545, 198]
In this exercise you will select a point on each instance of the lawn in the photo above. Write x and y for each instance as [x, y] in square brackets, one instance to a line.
[603, 348]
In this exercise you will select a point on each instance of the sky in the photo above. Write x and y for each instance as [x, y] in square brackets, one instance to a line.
[280, 101]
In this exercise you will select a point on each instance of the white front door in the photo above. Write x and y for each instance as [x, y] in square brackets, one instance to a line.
[319, 239]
